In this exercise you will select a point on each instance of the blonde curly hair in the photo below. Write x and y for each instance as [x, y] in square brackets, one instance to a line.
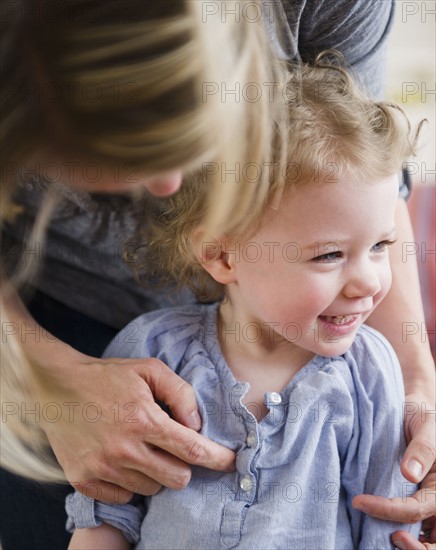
[332, 128]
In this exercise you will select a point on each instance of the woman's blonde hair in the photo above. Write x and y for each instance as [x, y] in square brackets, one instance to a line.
[162, 84]
[332, 129]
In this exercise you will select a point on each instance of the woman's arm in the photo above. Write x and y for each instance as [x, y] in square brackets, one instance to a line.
[110, 437]
[400, 317]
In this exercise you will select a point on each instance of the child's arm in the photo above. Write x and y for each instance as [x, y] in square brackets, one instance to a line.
[104, 537]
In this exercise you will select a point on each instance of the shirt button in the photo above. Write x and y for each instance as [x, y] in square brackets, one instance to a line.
[251, 439]
[246, 483]
[238, 389]
[275, 398]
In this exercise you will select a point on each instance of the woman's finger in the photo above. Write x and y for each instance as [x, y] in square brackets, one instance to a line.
[404, 541]
[403, 510]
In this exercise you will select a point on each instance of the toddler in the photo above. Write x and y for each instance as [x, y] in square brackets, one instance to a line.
[285, 371]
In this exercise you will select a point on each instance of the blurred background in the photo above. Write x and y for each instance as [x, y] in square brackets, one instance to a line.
[411, 82]
[411, 75]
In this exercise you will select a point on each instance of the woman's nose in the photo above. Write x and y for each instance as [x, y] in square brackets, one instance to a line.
[162, 185]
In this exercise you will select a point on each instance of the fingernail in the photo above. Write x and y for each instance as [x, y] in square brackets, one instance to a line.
[363, 509]
[398, 544]
[415, 469]
[194, 421]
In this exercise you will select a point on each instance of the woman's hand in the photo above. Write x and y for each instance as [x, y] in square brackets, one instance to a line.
[114, 440]
[109, 435]
[419, 507]
[404, 541]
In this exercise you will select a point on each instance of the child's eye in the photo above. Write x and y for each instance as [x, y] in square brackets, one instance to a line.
[330, 257]
[382, 246]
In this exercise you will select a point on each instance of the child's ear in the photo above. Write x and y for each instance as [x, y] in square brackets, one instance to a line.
[213, 258]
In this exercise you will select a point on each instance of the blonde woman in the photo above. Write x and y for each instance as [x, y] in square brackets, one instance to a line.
[104, 97]
[114, 97]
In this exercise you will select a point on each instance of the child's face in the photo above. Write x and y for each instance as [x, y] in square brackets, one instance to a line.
[319, 265]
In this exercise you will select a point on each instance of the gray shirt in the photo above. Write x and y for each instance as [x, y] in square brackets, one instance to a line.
[81, 262]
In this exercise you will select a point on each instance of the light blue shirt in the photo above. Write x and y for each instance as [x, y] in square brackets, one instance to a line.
[335, 431]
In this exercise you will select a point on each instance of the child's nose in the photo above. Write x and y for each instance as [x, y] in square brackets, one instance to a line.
[364, 282]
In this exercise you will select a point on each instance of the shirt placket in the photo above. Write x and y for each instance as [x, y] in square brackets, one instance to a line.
[247, 475]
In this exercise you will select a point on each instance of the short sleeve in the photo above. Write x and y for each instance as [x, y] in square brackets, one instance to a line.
[358, 29]
[84, 512]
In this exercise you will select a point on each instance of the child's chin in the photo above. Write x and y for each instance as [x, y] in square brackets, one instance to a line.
[335, 349]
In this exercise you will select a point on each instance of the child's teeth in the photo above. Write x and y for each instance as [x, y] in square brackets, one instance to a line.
[339, 320]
